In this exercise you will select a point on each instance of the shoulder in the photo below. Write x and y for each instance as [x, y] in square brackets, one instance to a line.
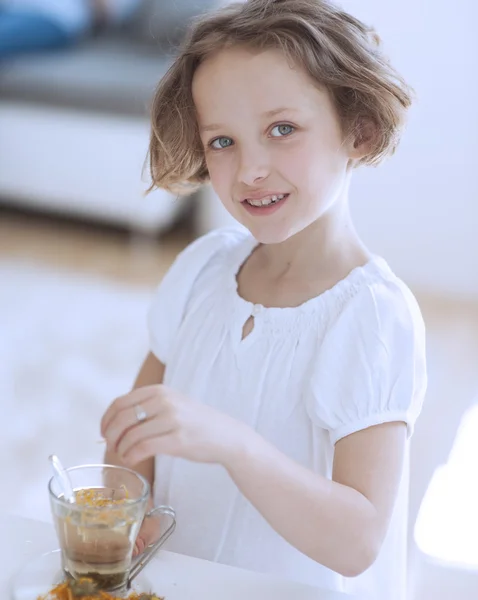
[218, 243]
[194, 264]
[378, 303]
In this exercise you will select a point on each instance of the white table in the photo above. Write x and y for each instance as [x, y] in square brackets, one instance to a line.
[175, 576]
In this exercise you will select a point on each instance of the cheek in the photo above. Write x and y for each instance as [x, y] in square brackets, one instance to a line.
[313, 167]
[221, 175]
[299, 165]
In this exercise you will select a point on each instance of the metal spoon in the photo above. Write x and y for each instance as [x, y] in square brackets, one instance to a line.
[62, 477]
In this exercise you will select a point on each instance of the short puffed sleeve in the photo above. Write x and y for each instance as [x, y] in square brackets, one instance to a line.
[171, 296]
[370, 366]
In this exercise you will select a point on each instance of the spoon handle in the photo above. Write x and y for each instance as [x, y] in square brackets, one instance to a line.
[62, 477]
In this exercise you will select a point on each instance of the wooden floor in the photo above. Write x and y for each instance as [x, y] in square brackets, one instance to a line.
[88, 248]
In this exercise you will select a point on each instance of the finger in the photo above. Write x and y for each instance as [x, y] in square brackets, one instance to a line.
[122, 402]
[127, 418]
[139, 546]
[147, 448]
[131, 399]
[152, 428]
[150, 532]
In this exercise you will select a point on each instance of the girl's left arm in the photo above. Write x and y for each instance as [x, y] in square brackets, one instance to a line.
[340, 523]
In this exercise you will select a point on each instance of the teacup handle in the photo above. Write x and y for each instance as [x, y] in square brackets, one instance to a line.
[144, 558]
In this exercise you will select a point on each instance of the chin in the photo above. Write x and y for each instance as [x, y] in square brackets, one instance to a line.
[269, 234]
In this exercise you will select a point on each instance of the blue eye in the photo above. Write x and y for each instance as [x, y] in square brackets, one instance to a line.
[221, 143]
[282, 130]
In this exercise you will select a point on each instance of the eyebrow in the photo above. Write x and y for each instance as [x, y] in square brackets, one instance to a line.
[268, 114]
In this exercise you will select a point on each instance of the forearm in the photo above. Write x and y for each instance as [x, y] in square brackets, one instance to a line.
[333, 524]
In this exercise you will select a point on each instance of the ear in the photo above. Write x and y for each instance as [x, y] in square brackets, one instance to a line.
[363, 138]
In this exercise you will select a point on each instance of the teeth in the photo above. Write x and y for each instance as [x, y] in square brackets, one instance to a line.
[266, 201]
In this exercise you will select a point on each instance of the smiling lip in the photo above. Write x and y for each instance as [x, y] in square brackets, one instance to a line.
[260, 195]
[265, 209]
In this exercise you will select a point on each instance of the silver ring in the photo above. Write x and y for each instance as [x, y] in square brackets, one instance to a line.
[141, 414]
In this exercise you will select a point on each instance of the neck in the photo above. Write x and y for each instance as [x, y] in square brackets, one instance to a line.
[329, 244]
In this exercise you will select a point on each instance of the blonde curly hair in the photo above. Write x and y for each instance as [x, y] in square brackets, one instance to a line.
[336, 50]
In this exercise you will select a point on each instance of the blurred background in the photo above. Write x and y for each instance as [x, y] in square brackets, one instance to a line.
[81, 248]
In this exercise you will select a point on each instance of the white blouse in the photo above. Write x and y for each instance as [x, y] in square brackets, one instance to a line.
[303, 378]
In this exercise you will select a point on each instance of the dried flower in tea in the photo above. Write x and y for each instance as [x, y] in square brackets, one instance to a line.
[85, 589]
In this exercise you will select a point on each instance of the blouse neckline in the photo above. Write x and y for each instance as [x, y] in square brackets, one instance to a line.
[354, 277]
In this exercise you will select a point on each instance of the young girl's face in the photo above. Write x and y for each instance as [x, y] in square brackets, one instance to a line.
[272, 139]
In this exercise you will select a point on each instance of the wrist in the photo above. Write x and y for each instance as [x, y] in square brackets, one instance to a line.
[247, 447]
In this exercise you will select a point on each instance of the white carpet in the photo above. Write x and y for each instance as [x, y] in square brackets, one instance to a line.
[69, 345]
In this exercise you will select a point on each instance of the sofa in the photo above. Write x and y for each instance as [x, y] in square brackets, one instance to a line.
[74, 125]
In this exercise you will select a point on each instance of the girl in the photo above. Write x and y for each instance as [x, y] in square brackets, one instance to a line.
[287, 365]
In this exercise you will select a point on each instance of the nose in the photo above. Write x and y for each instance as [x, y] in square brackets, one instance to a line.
[254, 165]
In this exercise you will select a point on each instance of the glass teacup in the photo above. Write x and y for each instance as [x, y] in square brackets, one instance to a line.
[97, 532]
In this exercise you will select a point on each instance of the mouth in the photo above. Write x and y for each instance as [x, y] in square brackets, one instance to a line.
[266, 201]
[261, 207]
